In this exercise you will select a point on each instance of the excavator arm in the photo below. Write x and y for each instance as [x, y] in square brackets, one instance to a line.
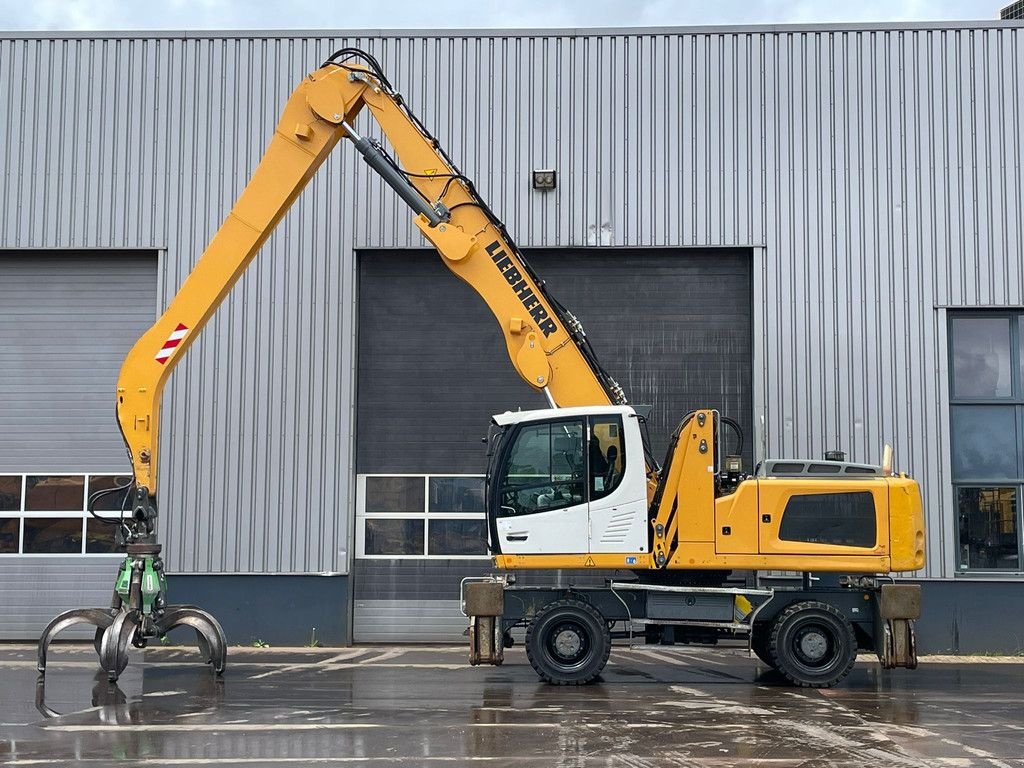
[545, 343]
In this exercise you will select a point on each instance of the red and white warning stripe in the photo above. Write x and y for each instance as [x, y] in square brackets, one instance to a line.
[172, 342]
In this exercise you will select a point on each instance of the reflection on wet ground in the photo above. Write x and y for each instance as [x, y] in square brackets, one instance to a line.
[420, 706]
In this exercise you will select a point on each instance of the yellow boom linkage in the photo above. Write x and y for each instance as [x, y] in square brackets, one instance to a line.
[319, 113]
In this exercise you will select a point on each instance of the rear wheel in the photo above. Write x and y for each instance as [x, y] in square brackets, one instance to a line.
[813, 644]
[568, 642]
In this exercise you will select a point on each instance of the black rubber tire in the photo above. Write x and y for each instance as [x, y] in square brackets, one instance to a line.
[801, 632]
[759, 642]
[572, 622]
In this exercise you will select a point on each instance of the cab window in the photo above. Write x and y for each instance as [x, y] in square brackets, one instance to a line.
[607, 457]
[545, 469]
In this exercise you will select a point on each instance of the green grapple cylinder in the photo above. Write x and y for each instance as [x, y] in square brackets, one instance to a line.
[124, 581]
[152, 584]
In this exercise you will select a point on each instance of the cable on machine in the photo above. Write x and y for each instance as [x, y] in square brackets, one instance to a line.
[569, 321]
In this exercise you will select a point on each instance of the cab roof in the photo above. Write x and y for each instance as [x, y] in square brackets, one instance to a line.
[517, 417]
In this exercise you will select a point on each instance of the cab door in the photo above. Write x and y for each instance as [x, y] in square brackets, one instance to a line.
[617, 485]
[542, 493]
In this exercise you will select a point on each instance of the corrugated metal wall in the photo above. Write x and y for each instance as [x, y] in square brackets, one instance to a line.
[879, 168]
[35, 589]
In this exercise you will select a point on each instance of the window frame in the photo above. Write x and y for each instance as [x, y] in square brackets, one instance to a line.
[584, 424]
[605, 493]
[81, 514]
[1016, 386]
[957, 487]
[361, 516]
[1015, 317]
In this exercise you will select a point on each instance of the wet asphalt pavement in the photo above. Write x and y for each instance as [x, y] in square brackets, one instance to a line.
[372, 706]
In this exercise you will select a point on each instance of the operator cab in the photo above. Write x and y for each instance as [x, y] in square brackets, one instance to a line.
[567, 481]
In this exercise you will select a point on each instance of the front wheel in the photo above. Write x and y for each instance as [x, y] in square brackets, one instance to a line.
[813, 644]
[568, 643]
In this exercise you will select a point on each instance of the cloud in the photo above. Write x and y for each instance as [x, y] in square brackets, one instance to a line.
[443, 14]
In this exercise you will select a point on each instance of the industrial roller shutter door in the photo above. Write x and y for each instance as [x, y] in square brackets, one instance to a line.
[673, 326]
[66, 321]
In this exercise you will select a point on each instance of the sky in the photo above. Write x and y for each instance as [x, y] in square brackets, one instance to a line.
[444, 14]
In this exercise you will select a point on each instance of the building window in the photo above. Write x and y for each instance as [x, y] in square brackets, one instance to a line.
[981, 350]
[986, 420]
[47, 514]
[391, 495]
[394, 536]
[10, 536]
[52, 536]
[420, 516]
[989, 535]
[457, 537]
[456, 494]
[10, 493]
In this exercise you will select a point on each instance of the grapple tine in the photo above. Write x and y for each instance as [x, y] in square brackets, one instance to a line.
[41, 706]
[101, 618]
[114, 646]
[204, 647]
[212, 643]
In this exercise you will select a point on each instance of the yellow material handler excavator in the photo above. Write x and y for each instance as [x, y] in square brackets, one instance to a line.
[573, 486]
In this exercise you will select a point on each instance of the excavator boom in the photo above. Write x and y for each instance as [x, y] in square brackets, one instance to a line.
[545, 343]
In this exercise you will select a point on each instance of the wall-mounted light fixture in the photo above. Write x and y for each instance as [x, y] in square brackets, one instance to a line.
[544, 179]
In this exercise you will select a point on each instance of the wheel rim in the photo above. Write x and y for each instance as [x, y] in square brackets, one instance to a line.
[568, 644]
[815, 647]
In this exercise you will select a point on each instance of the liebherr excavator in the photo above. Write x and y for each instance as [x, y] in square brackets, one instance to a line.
[572, 486]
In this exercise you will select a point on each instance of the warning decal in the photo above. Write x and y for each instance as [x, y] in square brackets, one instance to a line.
[589, 562]
[176, 337]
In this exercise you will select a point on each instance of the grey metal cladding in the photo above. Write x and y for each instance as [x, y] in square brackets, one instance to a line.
[880, 169]
[390, 621]
[413, 579]
[34, 590]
